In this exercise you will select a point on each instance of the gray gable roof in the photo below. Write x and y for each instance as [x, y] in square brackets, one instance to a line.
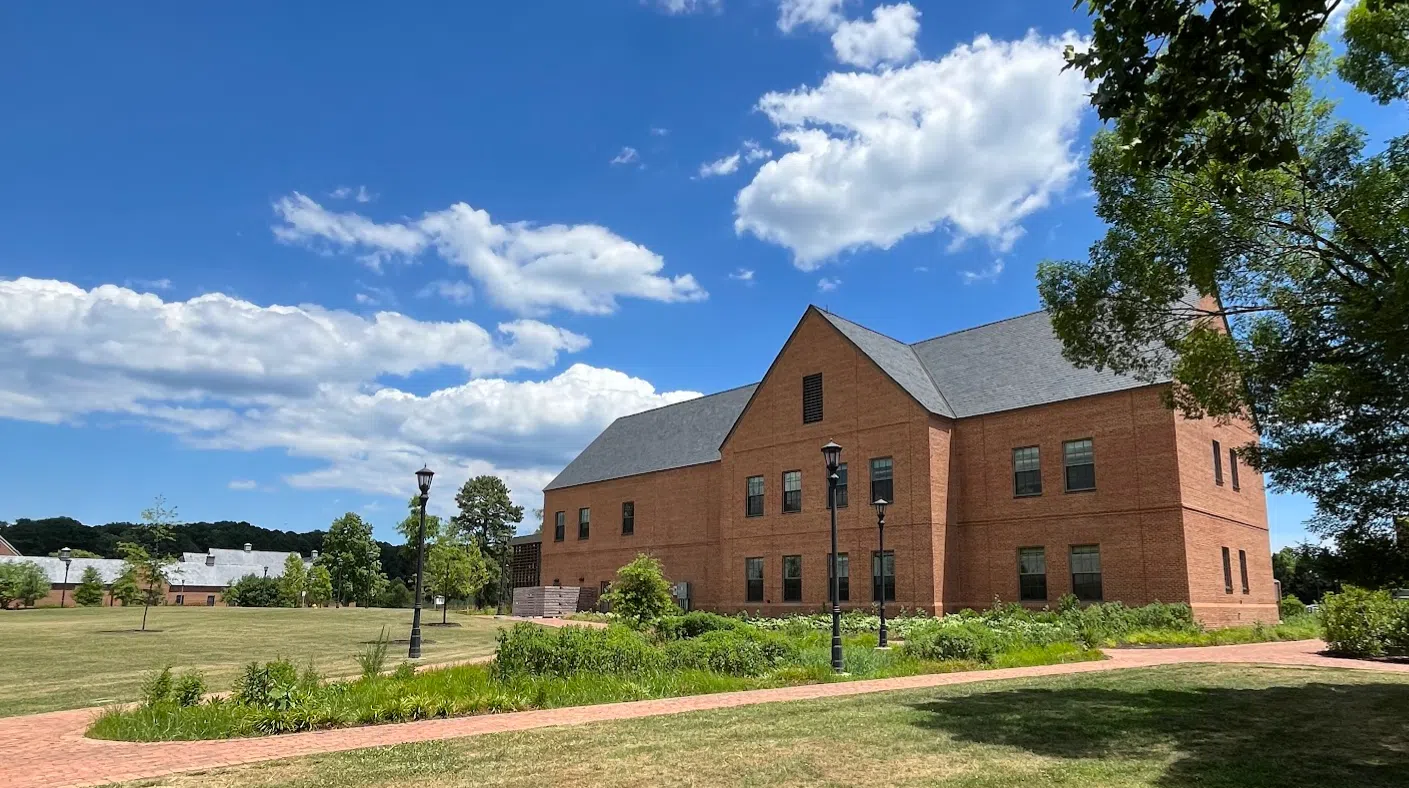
[191, 573]
[896, 359]
[686, 433]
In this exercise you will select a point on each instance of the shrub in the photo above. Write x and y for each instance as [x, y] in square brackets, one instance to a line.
[964, 640]
[373, 659]
[735, 652]
[396, 594]
[89, 591]
[1397, 639]
[531, 650]
[156, 687]
[404, 672]
[23, 582]
[640, 594]
[271, 685]
[1358, 622]
[692, 625]
[1291, 607]
[189, 689]
[254, 591]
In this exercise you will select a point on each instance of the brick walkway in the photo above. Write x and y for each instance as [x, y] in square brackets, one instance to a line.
[50, 749]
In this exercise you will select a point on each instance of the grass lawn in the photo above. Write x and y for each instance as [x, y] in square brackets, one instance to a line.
[1197, 725]
[53, 659]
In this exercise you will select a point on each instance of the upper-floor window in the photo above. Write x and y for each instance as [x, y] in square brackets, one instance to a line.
[754, 505]
[584, 522]
[628, 518]
[1032, 573]
[882, 479]
[1217, 464]
[1080, 459]
[1233, 469]
[792, 491]
[812, 398]
[1086, 572]
[792, 578]
[753, 579]
[1027, 471]
[559, 525]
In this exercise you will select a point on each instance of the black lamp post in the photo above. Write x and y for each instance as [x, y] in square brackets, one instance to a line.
[423, 480]
[65, 555]
[880, 505]
[831, 453]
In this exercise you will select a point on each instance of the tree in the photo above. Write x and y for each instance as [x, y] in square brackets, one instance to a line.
[640, 593]
[255, 591]
[76, 553]
[410, 526]
[1197, 81]
[89, 591]
[395, 594]
[353, 560]
[125, 589]
[1303, 270]
[23, 582]
[293, 583]
[455, 571]
[487, 517]
[146, 558]
[320, 585]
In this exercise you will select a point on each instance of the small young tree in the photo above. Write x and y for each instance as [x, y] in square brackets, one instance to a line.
[22, 582]
[454, 571]
[89, 592]
[641, 593]
[147, 558]
[294, 582]
[320, 585]
[125, 589]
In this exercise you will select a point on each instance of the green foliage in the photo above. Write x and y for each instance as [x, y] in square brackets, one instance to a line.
[373, 659]
[404, 672]
[1358, 622]
[694, 624]
[23, 582]
[75, 553]
[455, 571]
[353, 560]
[125, 589]
[743, 651]
[147, 559]
[272, 685]
[530, 650]
[1377, 50]
[189, 689]
[156, 687]
[89, 591]
[396, 594]
[971, 641]
[255, 591]
[640, 594]
[487, 517]
[320, 585]
[293, 583]
[410, 527]
[1290, 607]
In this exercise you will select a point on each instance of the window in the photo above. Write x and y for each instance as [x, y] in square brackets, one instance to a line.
[792, 578]
[792, 491]
[1032, 573]
[210, 600]
[1027, 471]
[1080, 461]
[753, 576]
[1217, 464]
[584, 522]
[559, 526]
[841, 486]
[1227, 573]
[876, 576]
[843, 577]
[180, 599]
[628, 518]
[1243, 568]
[812, 398]
[1086, 572]
[1233, 469]
[882, 484]
[755, 497]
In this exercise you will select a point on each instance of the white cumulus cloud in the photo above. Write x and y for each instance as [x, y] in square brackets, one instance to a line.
[724, 166]
[889, 38]
[974, 142]
[816, 14]
[676, 7]
[828, 284]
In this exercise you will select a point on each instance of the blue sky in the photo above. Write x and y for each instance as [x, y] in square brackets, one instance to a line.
[266, 258]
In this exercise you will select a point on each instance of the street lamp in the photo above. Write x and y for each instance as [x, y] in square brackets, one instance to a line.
[65, 555]
[880, 505]
[423, 480]
[831, 454]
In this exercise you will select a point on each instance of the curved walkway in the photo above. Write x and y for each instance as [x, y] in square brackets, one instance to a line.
[50, 749]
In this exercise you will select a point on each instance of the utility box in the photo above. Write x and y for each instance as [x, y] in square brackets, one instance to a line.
[681, 592]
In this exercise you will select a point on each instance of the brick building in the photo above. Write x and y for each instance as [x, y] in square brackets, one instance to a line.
[1012, 475]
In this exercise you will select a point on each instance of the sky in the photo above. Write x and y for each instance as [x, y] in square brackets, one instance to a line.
[266, 259]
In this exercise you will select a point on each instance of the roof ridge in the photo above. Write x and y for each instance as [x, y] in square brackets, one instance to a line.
[685, 401]
[980, 325]
[866, 328]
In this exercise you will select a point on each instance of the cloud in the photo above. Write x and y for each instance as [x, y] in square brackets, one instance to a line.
[753, 151]
[724, 166]
[1336, 21]
[627, 156]
[243, 485]
[659, 131]
[816, 14]
[743, 275]
[989, 274]
[317, 384]
[527, 268]
[149, 284]
[973, 142]
[375, 296]
[360, 194]
[888, 38]
[827, 285]
[455, 292]
[676, 7]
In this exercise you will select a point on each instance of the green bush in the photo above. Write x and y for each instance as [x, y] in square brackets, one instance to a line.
[969, 640]
[24, 582]
[640, 594]
[531, 650]
[254, 591]
[270, 685]
[735, 652]
[1358, 622]
[156, 687]
[692, 625]
[189, 689]
[373, 659]
[1290, 607]
[89, 591]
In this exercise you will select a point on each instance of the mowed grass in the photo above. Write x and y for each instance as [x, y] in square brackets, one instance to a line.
[1197, 725]
[52, 659]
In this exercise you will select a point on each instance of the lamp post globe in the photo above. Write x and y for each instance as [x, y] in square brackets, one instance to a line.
[881, 504]
[423, 482]
[831, 456]
[65, 555]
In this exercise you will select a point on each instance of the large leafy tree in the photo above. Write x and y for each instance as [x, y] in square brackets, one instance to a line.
[353, 560]
[455, 571]
[293, 582]
[23, 582]
[320, 585]
[1275, 289]
[488, 517]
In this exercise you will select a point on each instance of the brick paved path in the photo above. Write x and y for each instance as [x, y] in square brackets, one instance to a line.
[50, 749]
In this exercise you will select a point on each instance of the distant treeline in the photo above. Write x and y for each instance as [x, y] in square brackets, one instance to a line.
[42, 537]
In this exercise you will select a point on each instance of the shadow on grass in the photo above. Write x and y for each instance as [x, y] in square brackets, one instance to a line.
[1307, 735]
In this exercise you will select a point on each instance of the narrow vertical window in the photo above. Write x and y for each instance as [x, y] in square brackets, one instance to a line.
[882, 479]
[1233, 469]
[1032, 574]
[792, 491]
[584, 522]
[754, 505]
[882, 575]
[1086, 572]
[792, 578]
[1079, 456]
[753, 578]
[628, 518]
[843, 576]
[812, 398]
[1227, 572]
[1217, 464]
[1027, 471]
[559, 526]
[1243, 568]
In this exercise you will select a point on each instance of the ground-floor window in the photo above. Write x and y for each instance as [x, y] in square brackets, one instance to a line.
[1243, 567]
[210, 600]
[883, 569]
[792, 578]
[180, 599]
[1227, 573]
[843, 576]
[1032, 574]
[753, 574]
[1086, 572]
